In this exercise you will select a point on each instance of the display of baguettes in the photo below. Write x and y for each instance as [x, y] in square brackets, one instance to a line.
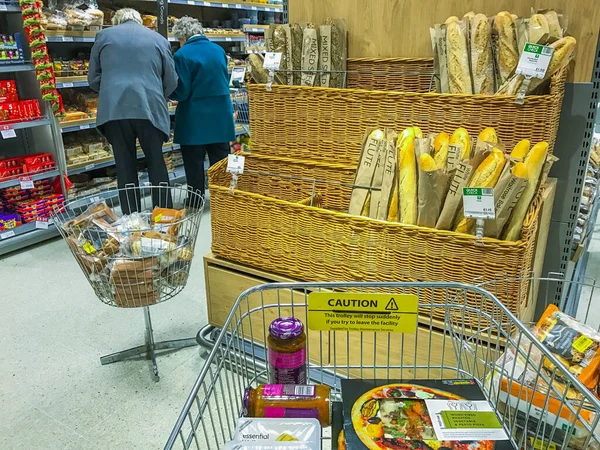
[507, 52]
[481, 54]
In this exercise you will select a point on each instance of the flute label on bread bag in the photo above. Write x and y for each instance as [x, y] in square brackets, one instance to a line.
[534, 60]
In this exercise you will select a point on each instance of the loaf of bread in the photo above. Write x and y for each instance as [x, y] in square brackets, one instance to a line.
[461, 137]
[400, 142]
[297, 37]
[507, 53]
[537, 28]
[451, 19]
[440, 150]
[469, 16]
[407, 181]
[481, 55]
[534, 161]
[521, 149]
[520, 170]
[459, 76]
[488, 135]
[258, 73]
[554, 28]
[426, 163]
[564, 51]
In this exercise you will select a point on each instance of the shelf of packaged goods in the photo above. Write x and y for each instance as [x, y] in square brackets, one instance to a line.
[71, 82]
[15, 67]
[218, 38]
[107, 162]
[66, 38]
[91, 199]
[10, 7]
[34, 177]
[77, 125]
[232, 5]
[255, 28]
[24, 236]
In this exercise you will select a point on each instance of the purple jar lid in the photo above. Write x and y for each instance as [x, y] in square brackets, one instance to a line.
[286, 328]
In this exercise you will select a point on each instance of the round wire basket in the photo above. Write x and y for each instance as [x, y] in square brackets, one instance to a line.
[134, 244]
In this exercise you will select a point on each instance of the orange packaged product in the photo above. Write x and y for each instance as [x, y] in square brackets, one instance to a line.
[167, 219]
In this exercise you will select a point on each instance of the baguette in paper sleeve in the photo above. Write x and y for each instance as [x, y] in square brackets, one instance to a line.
[521, 149]
[461, 137]
[481, 54]
[410, 132]
[440, 150]
[488, 135]
[407, 180]
[538, 28]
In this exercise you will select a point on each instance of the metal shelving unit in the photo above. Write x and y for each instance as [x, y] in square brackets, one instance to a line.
[35, 177]
[230, 5]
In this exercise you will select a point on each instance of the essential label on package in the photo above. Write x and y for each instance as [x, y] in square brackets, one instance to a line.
[26, 182]
[534, 60]
[288, 367]
[582, 343]
[235, 163]
[540, 444]
[89, 248]
[272, 61]
[479, 203]
[465, 420]
[394, 313]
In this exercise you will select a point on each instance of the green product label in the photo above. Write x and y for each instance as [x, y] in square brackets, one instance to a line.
[534, 48]
[472, 191]
[470, 419]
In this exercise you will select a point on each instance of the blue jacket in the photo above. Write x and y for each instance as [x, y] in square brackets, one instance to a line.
[204, 114]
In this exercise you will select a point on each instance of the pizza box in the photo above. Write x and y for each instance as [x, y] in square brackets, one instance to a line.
[420, 415]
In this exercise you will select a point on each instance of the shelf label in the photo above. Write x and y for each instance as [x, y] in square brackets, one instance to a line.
[254, 8]
[237, 74]
[95, 199]
[334, 311]
[206, 3]
[7, 132]
[225, 5]
[90, 166]
[191, 2]
[67, 85]
[479, 203]
[235, 163]
[238, 6]
[534, 60]
[26, 182]
[67, 39]
[42, 223]
[84, 127]
[7, 234]
[3, 7]
[227, 39]
[272, 61]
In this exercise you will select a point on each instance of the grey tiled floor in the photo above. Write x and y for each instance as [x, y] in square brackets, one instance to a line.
[54, 394]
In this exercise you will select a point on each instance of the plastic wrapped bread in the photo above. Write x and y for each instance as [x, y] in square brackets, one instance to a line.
[482, 68]
[507, 53]
[459, 75]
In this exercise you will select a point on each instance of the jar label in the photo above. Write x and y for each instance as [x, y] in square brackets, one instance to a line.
[274, 412]
[287, 368]
[288, 390]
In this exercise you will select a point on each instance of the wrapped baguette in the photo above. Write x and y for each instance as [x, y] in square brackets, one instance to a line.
[534, 161]
[433, 185]
[521, 149]
[407, 180]
[485, 176]
[469, 16]
[488, 135]
[538, 28]
[258, 73]
[395, 202]
[461, 137]
[481, 55]
[440, 150]
[507, 53]
[297, 37]
[554, 29]
[365, 171]
[459, 76]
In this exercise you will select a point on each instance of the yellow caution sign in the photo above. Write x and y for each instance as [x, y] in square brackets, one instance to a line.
[393, 313]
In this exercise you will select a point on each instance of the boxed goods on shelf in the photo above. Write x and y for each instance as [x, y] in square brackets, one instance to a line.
[10, 49]
[34, 163]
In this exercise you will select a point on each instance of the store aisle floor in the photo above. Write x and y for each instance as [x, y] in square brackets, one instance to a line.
[54, 394]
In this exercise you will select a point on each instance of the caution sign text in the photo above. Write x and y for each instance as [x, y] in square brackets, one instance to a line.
[394, 313]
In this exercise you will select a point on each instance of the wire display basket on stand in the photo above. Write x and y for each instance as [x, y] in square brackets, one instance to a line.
[137, 259]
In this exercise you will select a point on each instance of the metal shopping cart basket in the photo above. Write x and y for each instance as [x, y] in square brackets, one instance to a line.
[539, 408]
[137, 259]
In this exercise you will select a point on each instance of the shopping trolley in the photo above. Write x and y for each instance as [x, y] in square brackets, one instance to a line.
[497, 350]
[137, 259]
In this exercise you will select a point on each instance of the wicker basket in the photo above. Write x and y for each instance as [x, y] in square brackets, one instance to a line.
[391, 74]
[325, 124]
[276, 233]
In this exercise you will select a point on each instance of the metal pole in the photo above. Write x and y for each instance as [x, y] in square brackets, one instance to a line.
[162, 13]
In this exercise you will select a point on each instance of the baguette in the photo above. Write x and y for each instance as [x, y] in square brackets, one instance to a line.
[258, 73]
[417, 132]
[521, 149]
[426, 163]
[537, 28]
[440, 150]
[451, 19]
[564, 50]
[407, 181]
[393, 210]
[520, 170]
[488, 135]
[534, 161]
[469, 16]
[507, 56]
[461, 137]
[459, 77]
[554, 29]
[481, 55]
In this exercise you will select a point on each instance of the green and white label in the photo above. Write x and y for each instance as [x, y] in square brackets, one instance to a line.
[479, 203]
[534, 60]
[470, 419]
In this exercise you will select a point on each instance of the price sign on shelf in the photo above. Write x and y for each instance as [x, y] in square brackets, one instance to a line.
[191, 2]
[272, 61]
[227, 39]
[534, 60]
[42, 223]
[225, 5]
[84, 127]
[67, 85]
[235, 163]
[479, 203]
[67, 39]
[26, 182]
[3, 7]
[7, 234]
[254, 8]
[90, 166]
[7, 132]
[238, 6]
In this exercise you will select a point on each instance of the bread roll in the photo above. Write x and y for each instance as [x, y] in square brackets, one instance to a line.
[521, 149]
[407, 182]
[426, 163]
[534, 161]
[459, 77]
[488, 135]
[554, 28]
[537, 28]
[507, 53]
[461, 137]
[440, 150]
[481, 55]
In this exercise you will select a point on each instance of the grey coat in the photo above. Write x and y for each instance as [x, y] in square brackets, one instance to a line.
[132, 69]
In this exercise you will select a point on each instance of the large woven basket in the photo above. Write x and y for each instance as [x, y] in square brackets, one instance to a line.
[275, 233]
[325, 124]
[391, 74]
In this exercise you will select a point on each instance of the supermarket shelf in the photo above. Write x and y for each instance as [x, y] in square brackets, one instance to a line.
[34, 177]
[255, 28]
[71, 82]
[177, 176]
[231, 5]
[217, 38]
[30, 124]
[63, 38]
[88, 200]
[77, 125]
[10, 67]
[24, 236]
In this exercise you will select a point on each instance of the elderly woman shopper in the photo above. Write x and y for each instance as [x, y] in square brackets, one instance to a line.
[204, 117]
[132, 69]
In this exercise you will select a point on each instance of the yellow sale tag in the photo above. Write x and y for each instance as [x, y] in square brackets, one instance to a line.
[539, 444]
[393, 313]
[582, 343]
[89, 248]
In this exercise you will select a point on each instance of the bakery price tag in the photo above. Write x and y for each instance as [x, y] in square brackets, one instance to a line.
[369, 312]
[26, 182]
[479, 203]
[42, 223]
[235, 163]
[238, 6]
[534, 60]
[7, 132]
[272, 61]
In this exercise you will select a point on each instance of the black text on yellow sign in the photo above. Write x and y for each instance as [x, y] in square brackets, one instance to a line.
[393, 313]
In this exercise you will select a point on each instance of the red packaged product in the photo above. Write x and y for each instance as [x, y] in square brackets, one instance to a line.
[11, 172]
[8, 163]
[36, 168]
[8, 91]
[38, 158]
[10, 112]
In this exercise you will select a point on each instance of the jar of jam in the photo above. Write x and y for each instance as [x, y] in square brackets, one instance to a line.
[289, 401]
[287, 351]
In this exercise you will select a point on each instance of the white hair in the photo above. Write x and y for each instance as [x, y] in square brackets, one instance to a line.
[186, 27]
[126, 15]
